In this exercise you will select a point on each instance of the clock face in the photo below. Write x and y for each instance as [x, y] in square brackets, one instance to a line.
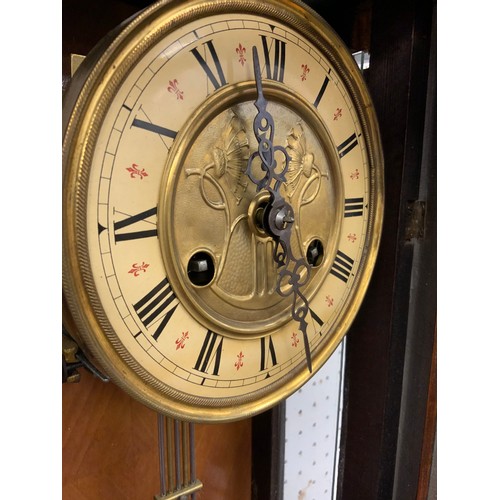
[169, 270]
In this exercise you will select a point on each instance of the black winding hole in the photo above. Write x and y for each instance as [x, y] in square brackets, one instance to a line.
[201, 269]
[315, 253]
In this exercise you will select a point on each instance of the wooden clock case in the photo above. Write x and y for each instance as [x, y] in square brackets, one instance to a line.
[389, 419]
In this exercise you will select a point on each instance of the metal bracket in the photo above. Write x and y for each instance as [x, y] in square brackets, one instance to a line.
[73, 359]
[76, 60]
[362, 59]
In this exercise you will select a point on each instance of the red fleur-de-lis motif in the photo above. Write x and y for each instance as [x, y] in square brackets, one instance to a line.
[239, 362]
[181, 341]
[329, 300]
[305, 70]
[240, 50]
[355, 175]
[137, 268]
[136, 172]
[295, 339]
[172, 87]
[337, 114]
[352, 237]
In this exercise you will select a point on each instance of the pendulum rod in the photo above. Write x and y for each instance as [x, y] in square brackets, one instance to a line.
[177, 460]
[161, 452]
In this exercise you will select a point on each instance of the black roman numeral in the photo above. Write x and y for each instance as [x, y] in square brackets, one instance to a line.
[353, 207]
[159, 303]
[321, 92]
[216, 82]
[151, 127]
[274, 65]
[342, 266]
[267, 353]
[210, 354]
[134, 219]
[348, 145]
[316, 318]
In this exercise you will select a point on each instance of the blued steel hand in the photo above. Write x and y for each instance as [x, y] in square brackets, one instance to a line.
[278, 215]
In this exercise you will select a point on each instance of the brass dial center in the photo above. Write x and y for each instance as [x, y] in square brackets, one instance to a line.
[214, 230]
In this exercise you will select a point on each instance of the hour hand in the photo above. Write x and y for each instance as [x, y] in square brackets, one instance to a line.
[291, 278]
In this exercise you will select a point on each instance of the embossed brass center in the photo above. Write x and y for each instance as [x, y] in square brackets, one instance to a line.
[209, 207]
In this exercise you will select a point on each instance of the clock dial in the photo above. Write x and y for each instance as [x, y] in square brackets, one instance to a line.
[174, 280]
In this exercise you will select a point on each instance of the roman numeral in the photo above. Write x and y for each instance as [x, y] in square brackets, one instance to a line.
[342, 266]
[316, 318]
[159, 303]
[348, 145]
[210, 354]
[321, 92]
[353, 207]
[134, 219]
[267, 353]
[274, 65]
[151, 127]
[216, 82]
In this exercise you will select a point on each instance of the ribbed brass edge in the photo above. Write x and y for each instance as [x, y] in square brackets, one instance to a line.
[78, 285]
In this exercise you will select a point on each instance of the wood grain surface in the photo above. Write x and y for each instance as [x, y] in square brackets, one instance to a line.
[110, 448]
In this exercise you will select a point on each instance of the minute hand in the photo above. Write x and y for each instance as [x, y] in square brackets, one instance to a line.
[263, 128]
[278, 215]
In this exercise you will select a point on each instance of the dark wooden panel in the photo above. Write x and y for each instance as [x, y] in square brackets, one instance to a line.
[429, 438]
[268, 454]
[84, 23]
[384, 350]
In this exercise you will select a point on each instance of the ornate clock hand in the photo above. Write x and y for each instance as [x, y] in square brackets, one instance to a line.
[278, 215]
[263, 127]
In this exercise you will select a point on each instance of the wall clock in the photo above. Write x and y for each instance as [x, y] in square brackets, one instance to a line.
[223, 199]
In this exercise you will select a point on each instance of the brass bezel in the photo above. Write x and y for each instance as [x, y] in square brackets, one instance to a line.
[87, 100]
